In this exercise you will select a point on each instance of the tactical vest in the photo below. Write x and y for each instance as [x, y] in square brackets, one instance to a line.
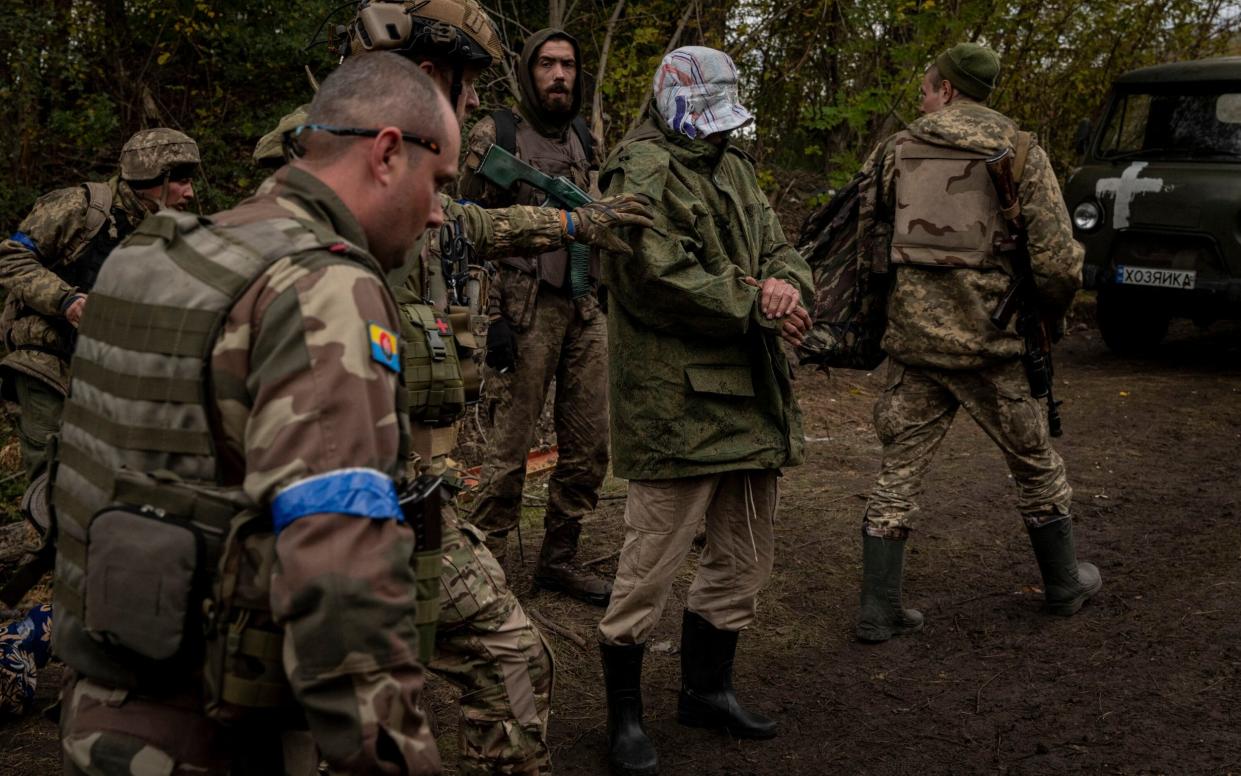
[162, 572]
[83, 260]
[947, 213]
[571, 158]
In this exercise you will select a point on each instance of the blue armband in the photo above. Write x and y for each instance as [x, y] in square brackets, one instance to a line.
[24, 240]
[355, 492]
[570, 229]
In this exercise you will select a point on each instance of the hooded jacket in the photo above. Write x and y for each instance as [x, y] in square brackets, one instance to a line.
[699, 383]
[939, 317]
[547, 143]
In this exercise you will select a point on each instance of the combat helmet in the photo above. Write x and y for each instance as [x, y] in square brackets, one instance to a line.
[152, 154]
[457, 32]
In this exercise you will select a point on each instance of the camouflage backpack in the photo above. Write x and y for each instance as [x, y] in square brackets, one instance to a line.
[845, 242]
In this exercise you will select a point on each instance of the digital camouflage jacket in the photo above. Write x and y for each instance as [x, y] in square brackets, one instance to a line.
[698, 380]
[37, 264]
[940, 316]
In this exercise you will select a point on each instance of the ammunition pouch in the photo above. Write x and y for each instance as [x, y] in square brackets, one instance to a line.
[467, 331]
[432, 365]
[243, 671]
[421, 503]
[142, 593]
[136, 580]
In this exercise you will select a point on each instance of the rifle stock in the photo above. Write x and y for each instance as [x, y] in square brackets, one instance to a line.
[505, 170]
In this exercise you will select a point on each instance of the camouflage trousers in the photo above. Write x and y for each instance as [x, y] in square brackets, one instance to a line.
[41, 407]
[566, 340]
[111, 732]
[915, 412]
[487, 648]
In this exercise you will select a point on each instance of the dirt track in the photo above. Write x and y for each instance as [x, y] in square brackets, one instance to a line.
[1143, 681]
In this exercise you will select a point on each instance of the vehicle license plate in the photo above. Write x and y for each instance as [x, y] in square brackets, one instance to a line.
[1151, 276]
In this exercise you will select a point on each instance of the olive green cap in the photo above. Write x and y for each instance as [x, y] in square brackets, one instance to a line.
[972, 69]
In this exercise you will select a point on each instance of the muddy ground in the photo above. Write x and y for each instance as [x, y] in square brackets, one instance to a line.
[1144, 681]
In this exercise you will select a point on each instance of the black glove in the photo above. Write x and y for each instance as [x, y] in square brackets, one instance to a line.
[501, 346]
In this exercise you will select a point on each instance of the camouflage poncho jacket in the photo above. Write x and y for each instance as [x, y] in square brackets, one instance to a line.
[939, 317]
[699, 383]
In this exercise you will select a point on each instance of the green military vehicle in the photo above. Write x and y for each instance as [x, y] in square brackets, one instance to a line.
[1157, 200]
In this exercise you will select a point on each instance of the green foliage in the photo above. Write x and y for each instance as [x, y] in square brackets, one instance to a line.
[826, 78]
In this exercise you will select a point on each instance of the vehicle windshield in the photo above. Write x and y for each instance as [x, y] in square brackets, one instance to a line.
[1202, 125]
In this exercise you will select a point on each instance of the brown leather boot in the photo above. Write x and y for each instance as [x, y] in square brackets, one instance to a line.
[556, 570]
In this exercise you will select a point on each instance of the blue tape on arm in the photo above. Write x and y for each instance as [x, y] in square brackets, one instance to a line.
[570, 228]
[24, 240]
[356, 492]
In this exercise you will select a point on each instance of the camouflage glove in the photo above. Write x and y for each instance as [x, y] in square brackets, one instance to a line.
[597, 223]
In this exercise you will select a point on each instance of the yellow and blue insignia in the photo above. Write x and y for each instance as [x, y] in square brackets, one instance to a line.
[384, 347]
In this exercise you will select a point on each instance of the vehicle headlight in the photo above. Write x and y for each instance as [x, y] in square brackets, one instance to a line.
[1086, 216]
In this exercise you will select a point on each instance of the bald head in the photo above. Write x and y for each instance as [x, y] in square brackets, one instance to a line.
[387, 176]
[374, 90]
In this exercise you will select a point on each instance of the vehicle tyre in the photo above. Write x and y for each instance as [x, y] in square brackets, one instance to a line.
[1132, 322]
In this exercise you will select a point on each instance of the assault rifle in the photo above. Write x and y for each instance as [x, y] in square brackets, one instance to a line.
[506, 171]
[1021, 297]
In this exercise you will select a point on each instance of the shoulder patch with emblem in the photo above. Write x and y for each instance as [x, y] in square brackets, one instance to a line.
[384, 347]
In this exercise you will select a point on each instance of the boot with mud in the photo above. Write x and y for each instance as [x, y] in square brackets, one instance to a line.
[556, 570]
[707, 698]
[882, 615]
[1067, 584]
[630, 751]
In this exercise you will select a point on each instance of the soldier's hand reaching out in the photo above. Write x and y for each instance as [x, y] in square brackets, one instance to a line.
[596, 223]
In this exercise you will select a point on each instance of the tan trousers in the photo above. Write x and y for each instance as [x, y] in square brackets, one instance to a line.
[661, 518]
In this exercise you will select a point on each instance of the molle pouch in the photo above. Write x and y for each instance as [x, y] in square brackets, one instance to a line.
[143, 580]
[432, 366]
[243, 672]
[518, 292]
[469, 354]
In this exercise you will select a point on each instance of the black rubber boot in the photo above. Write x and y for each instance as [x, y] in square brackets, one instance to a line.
[630, 751]
[707, 697]
[556, 571]
[882, 615]
[1067, 584]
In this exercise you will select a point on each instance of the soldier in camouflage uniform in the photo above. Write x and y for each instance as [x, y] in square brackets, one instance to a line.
[233, 585]
[940, 208]
[49, 264]
[702, 408]
[546, 322]
[485, 645]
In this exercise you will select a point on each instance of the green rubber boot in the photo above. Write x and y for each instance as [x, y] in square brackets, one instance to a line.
[882, 615]
[1067, 584]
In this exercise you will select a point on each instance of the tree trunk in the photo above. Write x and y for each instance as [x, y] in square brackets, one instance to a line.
[596, 106]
